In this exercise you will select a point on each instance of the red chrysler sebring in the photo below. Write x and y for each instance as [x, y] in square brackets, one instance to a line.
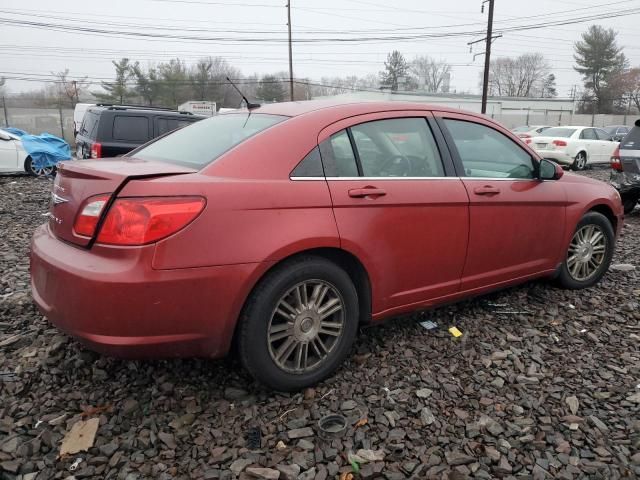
[288, 226]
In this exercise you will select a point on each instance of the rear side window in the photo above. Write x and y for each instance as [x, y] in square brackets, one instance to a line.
[310, 166]
[130, 128]
[399, 147]
[202, 142]
[632, 140]
[602, 134]
[338, 157]
[588, 134]
[165, 125]
[89, 125]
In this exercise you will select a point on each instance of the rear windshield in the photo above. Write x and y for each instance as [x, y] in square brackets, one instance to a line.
[632, 140]
[521, 129]
[201, 143]
[89, 125]
[559, 132]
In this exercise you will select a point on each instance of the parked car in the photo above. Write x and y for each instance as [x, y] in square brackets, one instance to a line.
[112, 130]
[574, 146]
[36, 155]
[286, 227]
[528, 131]
[625, 165]
[617, 132]
[13, 157]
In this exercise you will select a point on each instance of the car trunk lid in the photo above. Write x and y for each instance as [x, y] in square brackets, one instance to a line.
[76, 181]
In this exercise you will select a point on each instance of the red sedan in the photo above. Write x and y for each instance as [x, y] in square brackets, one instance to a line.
[288, 226]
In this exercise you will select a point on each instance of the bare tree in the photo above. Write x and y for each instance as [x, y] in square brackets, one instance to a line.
[521, 76]
[433, 74]
[69, 89]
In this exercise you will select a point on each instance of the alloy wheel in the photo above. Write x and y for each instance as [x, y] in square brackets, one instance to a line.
[586, 253]
[581, 161]
[40, 171]
[306, 326]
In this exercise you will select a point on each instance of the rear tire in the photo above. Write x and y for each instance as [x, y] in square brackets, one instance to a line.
[580, 162]
[38, 172]
[288, 339]
[629, 202]
[589, 253]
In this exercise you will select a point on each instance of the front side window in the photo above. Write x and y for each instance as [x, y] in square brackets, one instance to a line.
[130, 128]
[487, 153]
[200, 143]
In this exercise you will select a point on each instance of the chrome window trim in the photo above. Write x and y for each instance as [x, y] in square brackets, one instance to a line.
[374, 179]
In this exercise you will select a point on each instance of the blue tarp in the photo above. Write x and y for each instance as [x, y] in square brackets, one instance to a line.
[15, 131]
[45, 150]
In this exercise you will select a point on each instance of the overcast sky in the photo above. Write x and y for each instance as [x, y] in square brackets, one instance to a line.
[35, 52]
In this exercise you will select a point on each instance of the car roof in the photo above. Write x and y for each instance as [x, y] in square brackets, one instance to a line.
[140, 109]
[342, 109]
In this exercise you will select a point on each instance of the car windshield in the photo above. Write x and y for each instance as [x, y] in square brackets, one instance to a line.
[632, 140]
[202, 142]
[559, 132]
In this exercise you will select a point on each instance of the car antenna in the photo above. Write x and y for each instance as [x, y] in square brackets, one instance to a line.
[249, 104]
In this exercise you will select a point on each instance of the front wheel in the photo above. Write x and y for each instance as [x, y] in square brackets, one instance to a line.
[589, 253]
[299, 324]
[36, 171]
[580, 162]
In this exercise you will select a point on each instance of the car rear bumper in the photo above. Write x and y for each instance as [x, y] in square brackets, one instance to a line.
[112, 300]
[557, 156]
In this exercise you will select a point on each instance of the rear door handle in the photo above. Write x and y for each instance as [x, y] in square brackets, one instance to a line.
[367, 192]
[486, 190]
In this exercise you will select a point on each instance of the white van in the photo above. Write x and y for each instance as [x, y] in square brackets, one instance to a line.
[78, 115]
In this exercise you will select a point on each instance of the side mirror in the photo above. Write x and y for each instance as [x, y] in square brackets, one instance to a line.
[549, 170]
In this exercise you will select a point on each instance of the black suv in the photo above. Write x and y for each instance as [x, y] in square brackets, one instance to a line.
[625, 165]
[112, 130]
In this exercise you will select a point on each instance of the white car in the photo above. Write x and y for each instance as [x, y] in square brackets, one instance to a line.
[576, 147]
[14, 159]
[528, 131]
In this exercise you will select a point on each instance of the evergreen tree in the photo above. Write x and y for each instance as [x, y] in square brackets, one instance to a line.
[395, 68]
[549, 87]
[598, 58]
[119, 90]
[270, 89]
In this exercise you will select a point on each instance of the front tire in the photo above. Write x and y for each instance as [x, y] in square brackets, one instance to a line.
[580, 162]
[589, 253]
[298, 324]
[34, 171]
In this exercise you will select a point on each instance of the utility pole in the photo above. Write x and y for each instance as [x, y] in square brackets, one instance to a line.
[487, 56]
[75, 90]
[290, 52]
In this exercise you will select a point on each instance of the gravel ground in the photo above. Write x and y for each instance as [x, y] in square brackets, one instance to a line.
[544, 383]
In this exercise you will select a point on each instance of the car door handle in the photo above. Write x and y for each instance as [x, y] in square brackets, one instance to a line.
[486, 190]
[367, 192]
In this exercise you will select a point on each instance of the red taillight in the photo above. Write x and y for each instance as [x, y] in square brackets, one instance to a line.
[89, 215]
[137, 221]
[615, 162]
[96, 150]
[527, 141]
[524, 135]
[559, 143]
